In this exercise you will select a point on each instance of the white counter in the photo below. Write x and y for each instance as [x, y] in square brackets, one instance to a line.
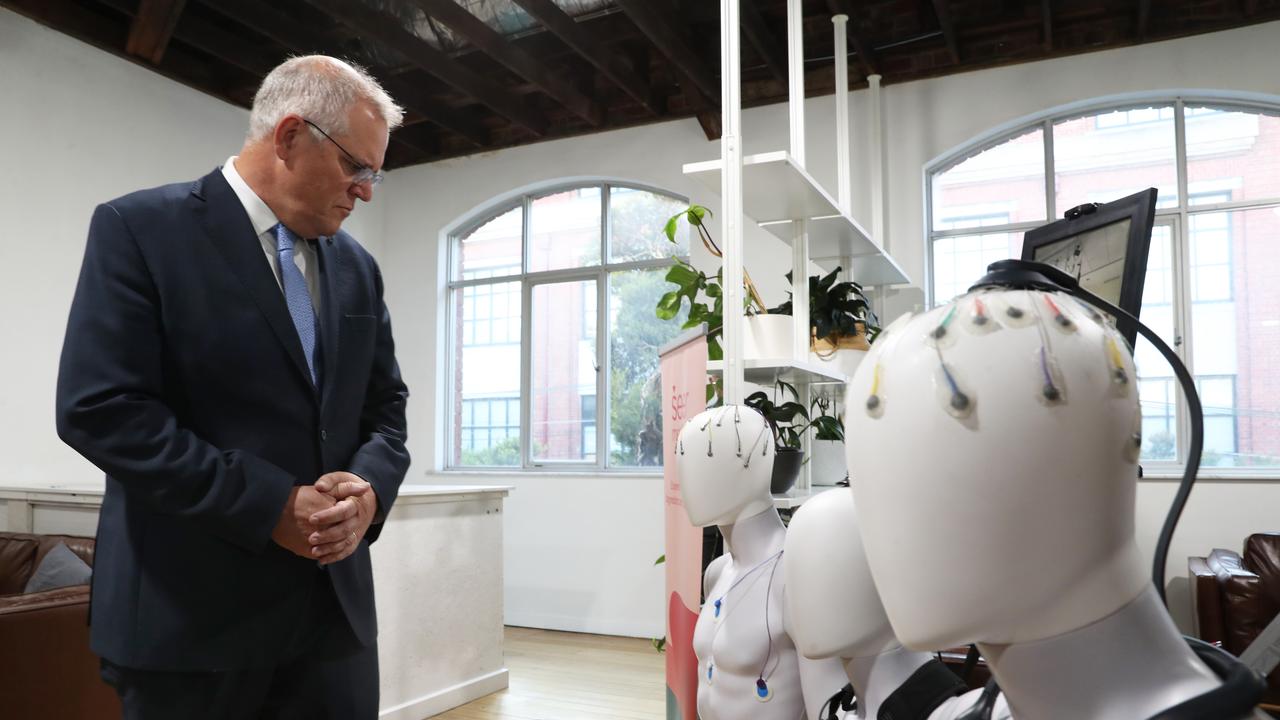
[437, 570]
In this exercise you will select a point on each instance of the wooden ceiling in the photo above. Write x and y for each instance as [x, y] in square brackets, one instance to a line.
[469, 87]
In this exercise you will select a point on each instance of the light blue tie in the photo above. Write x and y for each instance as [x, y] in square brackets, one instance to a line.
[297, 296]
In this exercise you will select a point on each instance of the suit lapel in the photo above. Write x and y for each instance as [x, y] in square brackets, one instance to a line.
[227, 225]
[329, 316]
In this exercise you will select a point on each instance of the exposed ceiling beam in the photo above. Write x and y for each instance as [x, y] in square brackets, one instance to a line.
[388, 31]
[757, 32]
[1250, 7]
[1144, 19]
[610, 63]
[866, 55]
[277, 25]
[152, 27]
[948, 29]
[1046, 12]
[513, 58]
[669, 39]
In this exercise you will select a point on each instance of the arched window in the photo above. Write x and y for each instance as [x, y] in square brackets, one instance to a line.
[552, 335]
[1213, 273]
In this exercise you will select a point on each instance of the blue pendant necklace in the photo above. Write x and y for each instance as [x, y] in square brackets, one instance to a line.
[763, 693]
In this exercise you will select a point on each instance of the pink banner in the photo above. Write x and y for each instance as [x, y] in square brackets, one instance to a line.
[684, 382]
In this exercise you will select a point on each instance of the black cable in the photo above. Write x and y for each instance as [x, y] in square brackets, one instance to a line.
[1196, 411]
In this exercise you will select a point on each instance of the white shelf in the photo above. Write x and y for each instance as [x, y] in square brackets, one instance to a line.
[776, 190]
[835, 237]
[795, 497]
[774, 187]
[764, 371]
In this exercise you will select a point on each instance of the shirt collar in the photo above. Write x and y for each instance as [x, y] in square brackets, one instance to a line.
[261, 216]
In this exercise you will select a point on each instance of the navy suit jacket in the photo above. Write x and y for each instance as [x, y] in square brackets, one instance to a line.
[182, 378]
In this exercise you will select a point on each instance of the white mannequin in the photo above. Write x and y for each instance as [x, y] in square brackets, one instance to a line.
[1007, 518]
[749, 640]
[835, 610]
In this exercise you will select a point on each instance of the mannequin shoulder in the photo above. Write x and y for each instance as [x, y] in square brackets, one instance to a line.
[712, 575]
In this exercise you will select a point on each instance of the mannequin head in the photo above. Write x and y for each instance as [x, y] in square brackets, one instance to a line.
[998, 503]
[724, 458]
[832, 604]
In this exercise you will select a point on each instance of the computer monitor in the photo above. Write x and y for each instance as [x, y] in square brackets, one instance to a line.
[1104, 246]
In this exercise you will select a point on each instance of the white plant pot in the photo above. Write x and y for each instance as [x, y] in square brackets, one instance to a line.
[829, 464]
[768, 337]
[844, 360]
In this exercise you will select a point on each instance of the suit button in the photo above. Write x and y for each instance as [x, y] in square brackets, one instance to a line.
[324, 435]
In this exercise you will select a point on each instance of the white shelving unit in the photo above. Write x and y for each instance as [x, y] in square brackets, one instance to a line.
[775, 190]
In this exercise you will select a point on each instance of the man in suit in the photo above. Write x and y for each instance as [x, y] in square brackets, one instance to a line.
[229, 365]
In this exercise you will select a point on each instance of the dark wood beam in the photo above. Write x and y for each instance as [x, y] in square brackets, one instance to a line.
[667, 36]
[757, 32]
[153, 25]
[853, 31]
[610, 63]
[266, 20]
[515, 59]
[1250, 7]
[948, 29]
[1046, 12]
[388, 31]
[708, 115]
[1144, 19]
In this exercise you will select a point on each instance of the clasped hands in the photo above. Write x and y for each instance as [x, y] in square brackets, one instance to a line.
[325, 521]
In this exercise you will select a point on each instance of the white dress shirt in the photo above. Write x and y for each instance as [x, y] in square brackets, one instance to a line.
[263, 219]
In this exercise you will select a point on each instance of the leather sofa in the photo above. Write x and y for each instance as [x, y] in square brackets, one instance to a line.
[1235, 595]
[46, 667]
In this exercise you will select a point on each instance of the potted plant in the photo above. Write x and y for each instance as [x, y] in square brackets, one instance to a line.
[788, 421]
[841, 322]
[705, 294]
[829, 466]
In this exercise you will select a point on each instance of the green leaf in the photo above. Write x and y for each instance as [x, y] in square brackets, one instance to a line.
[661, 559]
[713, 349]
[672, 224]
[669, 305]
[682, 275]
[697, 213]
[659, 644]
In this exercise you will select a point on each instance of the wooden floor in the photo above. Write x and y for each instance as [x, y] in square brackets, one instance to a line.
[571, 676]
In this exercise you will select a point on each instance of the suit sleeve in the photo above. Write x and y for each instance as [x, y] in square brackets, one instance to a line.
[110, 405]
[382, 459]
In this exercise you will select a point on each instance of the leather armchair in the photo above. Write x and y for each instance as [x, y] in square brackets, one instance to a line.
[46, 667]
[1235, 595]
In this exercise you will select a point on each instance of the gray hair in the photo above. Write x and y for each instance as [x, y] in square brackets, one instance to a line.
[321, 89]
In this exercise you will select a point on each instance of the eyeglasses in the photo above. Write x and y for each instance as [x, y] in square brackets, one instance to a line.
[360, 173]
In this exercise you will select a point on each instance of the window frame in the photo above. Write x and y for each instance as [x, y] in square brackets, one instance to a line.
[1178, 215]
[528, 280]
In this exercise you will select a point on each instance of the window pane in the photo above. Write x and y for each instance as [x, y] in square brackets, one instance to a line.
[563, 355]
[487, 376]
[962, 260]
[491, 250]
[564, 230]
[635, 334]
[636, 221]
[1011, 173]
[1100, 158]
[1232, 154]
[1236, 335]
[1156, 385]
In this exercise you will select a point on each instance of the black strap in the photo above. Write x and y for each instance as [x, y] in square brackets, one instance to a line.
[928, 687]
[842, 700]
[970, 662]
[983, 709]
[1240, 692]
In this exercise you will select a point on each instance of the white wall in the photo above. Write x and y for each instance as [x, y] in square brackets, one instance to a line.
[564, 531]
[78, 127]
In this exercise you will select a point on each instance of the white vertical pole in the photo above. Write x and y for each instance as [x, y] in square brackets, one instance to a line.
[795, 71]
[731, 197]
[842, 115]
[800, 287]
[877, 165]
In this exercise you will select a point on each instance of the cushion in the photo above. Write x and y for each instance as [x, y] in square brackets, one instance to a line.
[60, 568]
